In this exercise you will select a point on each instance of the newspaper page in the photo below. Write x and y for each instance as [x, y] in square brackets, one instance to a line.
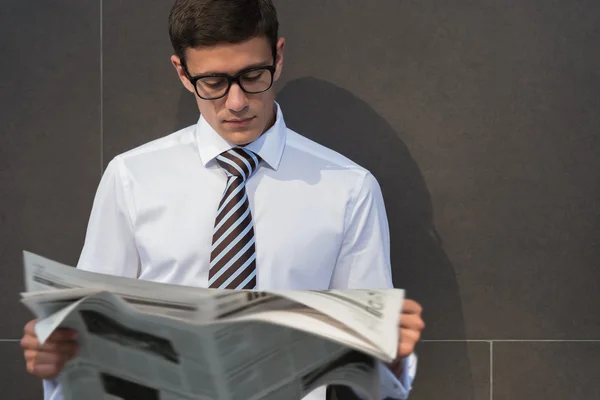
[148, 340]
[43, 275]
[372, 315]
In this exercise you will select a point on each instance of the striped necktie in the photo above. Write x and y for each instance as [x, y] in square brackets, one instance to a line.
[233, 256]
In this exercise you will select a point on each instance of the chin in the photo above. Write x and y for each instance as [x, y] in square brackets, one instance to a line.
[240, 137]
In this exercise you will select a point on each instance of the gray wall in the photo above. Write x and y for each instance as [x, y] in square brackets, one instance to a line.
[480, 120]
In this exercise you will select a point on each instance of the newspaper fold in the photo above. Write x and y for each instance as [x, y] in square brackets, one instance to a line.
[147, 340]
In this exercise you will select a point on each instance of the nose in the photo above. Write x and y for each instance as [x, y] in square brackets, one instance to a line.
[236, 98]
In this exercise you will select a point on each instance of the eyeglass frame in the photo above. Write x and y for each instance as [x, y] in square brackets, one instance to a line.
[230, 79]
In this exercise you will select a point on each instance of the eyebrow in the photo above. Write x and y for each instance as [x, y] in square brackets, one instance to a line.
[255, 65]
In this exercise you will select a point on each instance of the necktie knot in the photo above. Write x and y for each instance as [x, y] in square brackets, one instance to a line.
[238, 162]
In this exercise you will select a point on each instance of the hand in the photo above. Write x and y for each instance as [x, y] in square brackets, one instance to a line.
[47, 360]
[411, 326]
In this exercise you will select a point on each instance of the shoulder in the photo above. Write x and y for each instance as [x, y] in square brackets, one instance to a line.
[315, 154]
[157, 152]
[174, 141]
[317, 159]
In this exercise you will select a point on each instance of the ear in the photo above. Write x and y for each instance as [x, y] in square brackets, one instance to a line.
[176, 61]
[279, 59]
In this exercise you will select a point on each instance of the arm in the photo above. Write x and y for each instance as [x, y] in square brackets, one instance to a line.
[364, 262]
[109, 246]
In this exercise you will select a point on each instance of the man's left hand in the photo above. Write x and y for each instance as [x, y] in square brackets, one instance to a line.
[411, 326]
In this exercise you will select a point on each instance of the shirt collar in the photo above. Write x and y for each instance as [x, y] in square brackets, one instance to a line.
[269, 146]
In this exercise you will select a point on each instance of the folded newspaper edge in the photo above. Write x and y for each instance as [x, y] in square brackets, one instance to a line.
[141, 337]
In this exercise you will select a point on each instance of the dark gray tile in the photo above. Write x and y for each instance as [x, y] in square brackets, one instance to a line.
[546, 371]
[452, 371]
[50, 153]
[15, 381]
[481, 121]
[143, 97]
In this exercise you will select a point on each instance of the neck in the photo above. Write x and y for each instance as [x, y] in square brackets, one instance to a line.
[272, 119]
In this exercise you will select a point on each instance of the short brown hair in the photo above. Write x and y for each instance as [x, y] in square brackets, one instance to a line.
[209, 22]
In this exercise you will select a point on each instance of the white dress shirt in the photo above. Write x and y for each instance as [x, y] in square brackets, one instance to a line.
[319, 219]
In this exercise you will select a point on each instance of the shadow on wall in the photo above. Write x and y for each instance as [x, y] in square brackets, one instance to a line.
[339, 120]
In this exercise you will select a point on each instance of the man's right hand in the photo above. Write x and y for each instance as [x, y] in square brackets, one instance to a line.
[47, 360]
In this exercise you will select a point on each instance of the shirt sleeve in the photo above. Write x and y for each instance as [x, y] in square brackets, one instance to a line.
[52, 390]
[364, 262]
[109, 246]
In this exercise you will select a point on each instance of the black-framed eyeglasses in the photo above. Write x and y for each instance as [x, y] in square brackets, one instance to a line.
[214, 86]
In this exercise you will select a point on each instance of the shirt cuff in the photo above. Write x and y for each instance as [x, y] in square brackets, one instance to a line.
[52, 390]
[394, 388]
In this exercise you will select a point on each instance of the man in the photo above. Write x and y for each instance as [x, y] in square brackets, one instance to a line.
[237, 200]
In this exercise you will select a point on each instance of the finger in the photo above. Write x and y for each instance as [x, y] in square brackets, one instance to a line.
[408, 340]
[30, 327]
[32, 343]
[66, 349]
[405, 349]
[48, 358]
[43, 357]
[411, 307]
[44, 371]
[409, 336]
[412, 321]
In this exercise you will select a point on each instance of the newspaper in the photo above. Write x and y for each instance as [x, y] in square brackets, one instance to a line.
[147, 340]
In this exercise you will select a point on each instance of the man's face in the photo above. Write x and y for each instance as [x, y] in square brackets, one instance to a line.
[239, 117]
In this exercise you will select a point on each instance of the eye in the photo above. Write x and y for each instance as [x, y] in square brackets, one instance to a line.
[214, 82]
[253, 76]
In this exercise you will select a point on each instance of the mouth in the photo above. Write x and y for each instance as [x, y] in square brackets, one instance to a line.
[238, 121]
